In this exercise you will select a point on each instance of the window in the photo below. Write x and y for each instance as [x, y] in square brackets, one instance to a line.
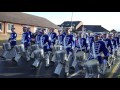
[10, 26]
[35, 28]
[0, 26]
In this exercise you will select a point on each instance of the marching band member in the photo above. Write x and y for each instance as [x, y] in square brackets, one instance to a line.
[46, 45]
[25, 37]
[10, 53]
[52, 36]
[115, 44]
[61, 38]
[69, 46]
[13, 37]
[30, 34]
[90, 40]
[98, 47]
[80, 42]
[117, 39]
[108, 42]
[38, 37]
[81, 45]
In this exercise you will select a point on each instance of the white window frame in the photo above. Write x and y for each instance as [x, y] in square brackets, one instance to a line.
[1, 28]
[35, 28]
[8, 28]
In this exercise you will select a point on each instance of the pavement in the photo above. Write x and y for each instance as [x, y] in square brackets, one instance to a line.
[23, 69]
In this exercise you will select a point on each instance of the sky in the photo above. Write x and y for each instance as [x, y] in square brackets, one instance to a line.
[109, 20]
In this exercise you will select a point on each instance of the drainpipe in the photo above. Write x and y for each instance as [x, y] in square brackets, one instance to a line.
[4, 27]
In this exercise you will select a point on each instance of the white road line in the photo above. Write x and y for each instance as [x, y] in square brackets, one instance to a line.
[40, 65]
[114, 70]
[74, 74]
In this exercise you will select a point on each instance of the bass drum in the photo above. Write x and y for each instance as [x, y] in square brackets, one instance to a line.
[20, 48]
[80, 55]
[6, 46]
[92, 67]
[60, 56]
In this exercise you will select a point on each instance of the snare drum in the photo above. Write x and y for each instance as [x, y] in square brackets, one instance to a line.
[6, 46]
[92, 67]
[20, 48]
[60, 56]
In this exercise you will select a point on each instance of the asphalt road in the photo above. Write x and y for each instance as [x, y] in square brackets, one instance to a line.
[24, 69]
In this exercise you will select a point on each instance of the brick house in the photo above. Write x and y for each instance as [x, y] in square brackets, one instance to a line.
[76, 25]
[18, 19]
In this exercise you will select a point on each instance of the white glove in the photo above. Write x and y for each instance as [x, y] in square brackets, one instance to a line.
[73, 48]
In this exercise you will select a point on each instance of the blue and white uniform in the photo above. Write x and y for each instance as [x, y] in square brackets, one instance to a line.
[117, 40]
[109, 45]
[81, 44]
[114, 42]
[99, 46]
[30, 33]
[25, 39]
[89, 41]
[69, 43]
[60, 39]
[12, 38]
[45, 43]
[52, 37]
[38, 38]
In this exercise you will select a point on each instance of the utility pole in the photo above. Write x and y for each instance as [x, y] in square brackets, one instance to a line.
[71, 21]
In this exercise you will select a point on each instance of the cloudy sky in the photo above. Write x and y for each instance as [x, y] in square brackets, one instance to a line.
[109, 20]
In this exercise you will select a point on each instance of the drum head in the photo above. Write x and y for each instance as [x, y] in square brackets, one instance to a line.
[59, 47]
[80, 53]
[92, 62]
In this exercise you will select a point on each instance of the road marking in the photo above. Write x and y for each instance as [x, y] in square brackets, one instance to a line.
[114, 70]
[40, 65]
[74, 74]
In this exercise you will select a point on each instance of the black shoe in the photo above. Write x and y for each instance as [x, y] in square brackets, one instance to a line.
[33, 67]
[47, 66]
[56, 75]
[72, 70]
[52, 63]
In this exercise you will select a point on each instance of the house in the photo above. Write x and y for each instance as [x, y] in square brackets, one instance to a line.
[113, 31]
[95, 28]
[74, 24]
[18, 19]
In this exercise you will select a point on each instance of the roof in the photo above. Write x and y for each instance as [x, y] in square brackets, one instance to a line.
[113, 30]
[22, 18]
[95, 28]
[68, 23]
